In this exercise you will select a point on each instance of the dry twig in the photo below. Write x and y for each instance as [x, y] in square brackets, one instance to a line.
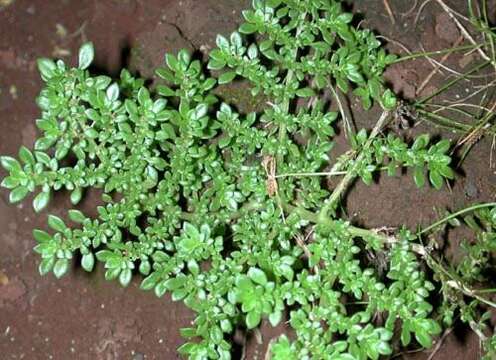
[389, 11]
[269, 165]
[463, 30]
[437, 67]
[439, 343]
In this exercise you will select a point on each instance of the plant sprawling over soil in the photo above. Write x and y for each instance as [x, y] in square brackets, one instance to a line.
[230, 212]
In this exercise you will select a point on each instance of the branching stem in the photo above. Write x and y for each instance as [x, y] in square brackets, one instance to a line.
[351, 175]
[455, 215]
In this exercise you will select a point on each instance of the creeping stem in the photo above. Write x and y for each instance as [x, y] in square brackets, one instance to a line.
[352, 173]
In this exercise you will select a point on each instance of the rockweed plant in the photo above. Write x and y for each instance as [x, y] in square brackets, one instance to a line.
[229, 212]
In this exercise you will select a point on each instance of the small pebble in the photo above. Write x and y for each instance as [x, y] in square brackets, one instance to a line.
[13, 92]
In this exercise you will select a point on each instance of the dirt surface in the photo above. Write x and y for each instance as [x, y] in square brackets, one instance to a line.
[84, 317]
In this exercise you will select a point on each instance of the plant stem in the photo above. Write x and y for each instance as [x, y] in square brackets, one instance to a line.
[438, 52]
[351, 175]
[390, 240]
[251, 206]
[328, 173]
[444, 122]
[472, 293]
[349, 128]
[464, 31]
[286, 102]
[451, 83]
[454, 215]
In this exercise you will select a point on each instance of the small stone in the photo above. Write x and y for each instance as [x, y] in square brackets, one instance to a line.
[4, 280]
[470, 189]
[12, 291]
[13, 92]
[138, 356]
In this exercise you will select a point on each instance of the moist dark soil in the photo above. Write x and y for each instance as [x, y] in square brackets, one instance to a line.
[84, 317]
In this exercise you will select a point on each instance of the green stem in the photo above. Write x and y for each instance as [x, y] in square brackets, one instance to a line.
[286, 102]
[443, 121]
[454, 215]
[352, 173]
[325, 173]
[417, 248]
[451, 83]
[328, 173]
[432, 53]
[349, 127]
[251, 206]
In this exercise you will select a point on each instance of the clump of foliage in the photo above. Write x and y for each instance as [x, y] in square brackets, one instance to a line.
[228, 212]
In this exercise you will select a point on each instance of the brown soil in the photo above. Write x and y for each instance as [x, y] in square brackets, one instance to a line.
[84, 317]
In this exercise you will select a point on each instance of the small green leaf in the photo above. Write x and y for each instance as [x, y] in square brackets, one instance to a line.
[375, 88]
[200, 111]
[46, 68]
[184, 57]
[9, 163]
[253, 51]
[56, 223]
[227, 77]
[88, 262]
[388, 100]
[46, 265]
[26, 155]
[41, 236]
[60, 268]
[253, 319]
[76, 216]
[165, 74]
[145, 267]
[257, 275]
[113, 92]
[165, 91]
[305, 92]
[419, 177]
[112, 274]
[86, 55]
[443, 146]
[18, 194]
[125, 277]
[10, 183]
[436, 179]
[423, 338]
[150, 281]
[76, 196]
[275, 318]
[247, 28]
[353, 74]
[91, 133]
[446, 172]
[41, 201]
[421, 142]
[161, 288]
[384, 348]
[406, 336]
[172, 62]
[222, 42]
